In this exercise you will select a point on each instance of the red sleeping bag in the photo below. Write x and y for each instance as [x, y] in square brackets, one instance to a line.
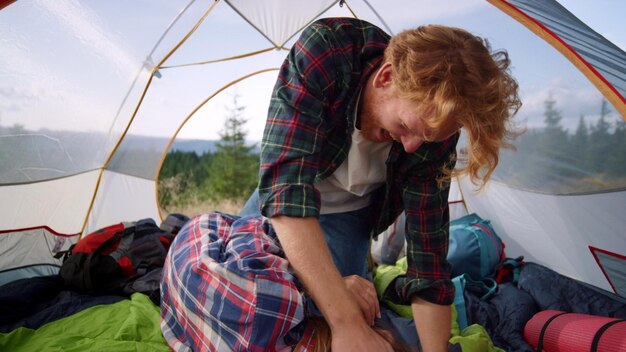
[556, 331]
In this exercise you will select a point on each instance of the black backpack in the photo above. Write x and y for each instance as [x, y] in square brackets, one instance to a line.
[120, 259]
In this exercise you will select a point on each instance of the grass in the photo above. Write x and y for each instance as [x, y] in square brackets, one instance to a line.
[196, 207]
[182, 196]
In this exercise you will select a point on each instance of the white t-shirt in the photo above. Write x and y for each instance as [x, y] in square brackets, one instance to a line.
[364, 170]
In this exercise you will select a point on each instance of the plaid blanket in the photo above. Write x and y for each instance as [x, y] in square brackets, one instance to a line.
[227, 286]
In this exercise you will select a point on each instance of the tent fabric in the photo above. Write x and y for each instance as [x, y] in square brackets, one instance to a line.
[602, 56]
[612, 266]
[61, 204]
[30, 253]
[84, 87]
[295, 16]
[555, 230]
[93, 94]
[135, 195]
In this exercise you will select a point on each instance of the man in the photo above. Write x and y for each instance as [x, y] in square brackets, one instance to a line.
[361, 128]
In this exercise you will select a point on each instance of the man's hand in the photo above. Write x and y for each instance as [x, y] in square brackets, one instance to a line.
[365, 295]
[358, 337]
[304, 245]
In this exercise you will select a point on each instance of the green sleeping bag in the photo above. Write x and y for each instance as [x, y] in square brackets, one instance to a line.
[128, 325]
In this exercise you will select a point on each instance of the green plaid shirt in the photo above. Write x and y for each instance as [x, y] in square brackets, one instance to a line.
[307, 136]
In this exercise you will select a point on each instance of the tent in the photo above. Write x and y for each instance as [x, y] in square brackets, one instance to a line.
[93, 95]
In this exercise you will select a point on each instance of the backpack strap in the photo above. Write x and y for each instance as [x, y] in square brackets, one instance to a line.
[497, 244]
[486, 287]
[510, 267]
[459, 301]
[87, 281]
[124, 242]
[63, 255]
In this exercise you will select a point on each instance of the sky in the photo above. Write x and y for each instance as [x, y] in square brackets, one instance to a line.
[68, 65]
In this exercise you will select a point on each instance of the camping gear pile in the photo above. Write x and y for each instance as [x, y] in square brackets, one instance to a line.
[509, 300]
[84, 84]
[106, 295]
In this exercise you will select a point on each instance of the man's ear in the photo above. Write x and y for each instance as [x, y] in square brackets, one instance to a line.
[383, 76]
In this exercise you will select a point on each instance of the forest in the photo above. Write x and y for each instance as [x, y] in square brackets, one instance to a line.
[221, 180]
[549, 159]
[554, 160]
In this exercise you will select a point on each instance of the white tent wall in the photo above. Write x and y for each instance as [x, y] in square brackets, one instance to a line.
[122, 198]
[262, 15]
[60, 204]
[40, 219]
[457, 205]
[28, 252]
[121, 101]
[555, 231]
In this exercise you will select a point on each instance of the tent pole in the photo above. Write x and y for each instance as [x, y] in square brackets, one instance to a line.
[221, 60]
[458, 182]
[379, 16]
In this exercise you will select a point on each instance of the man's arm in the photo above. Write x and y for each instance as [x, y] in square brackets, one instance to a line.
[303, 242]
[428, 286]
[433, 324]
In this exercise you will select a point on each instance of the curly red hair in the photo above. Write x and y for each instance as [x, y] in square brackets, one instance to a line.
[453, 74]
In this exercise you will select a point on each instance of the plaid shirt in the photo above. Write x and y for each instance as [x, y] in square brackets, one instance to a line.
[307, 136]
[226, 287]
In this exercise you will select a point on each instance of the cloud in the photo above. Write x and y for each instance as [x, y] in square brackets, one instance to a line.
[15, 98]
[571, 102]
[61, 72]
[83, 25]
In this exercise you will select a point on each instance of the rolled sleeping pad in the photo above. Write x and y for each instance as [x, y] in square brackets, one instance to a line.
[557, 331]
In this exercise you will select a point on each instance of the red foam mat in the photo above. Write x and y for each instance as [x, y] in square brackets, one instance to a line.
[573, 332]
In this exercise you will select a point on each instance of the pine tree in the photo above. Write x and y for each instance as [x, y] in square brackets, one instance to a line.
[599, 140]
[556, 166]
[552, 118]
[616, 162]
[579, 145]
[582, 132]
[233, 172]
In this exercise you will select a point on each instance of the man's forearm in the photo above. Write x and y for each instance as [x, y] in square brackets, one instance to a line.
[433, 323]
[303, 242]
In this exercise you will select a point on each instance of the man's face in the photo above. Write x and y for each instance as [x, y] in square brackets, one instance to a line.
[390, 117]
[385, 116]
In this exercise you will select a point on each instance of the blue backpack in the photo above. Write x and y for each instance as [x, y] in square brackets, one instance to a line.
[474, 248]
[475, 252]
